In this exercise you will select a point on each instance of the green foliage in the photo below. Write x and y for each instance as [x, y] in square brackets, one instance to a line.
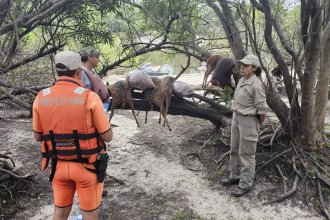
[153, 213]
[163, 10]
[180, 215]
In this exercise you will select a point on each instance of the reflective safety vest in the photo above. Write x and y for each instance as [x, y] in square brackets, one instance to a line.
[63, 115]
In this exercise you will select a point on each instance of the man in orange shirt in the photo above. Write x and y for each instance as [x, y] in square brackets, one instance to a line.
[72, 126]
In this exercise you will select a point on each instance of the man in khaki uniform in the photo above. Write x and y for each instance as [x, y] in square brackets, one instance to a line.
[250, 109]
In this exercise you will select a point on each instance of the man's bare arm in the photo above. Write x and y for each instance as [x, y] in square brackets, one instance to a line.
[107, 136]
[37, 136]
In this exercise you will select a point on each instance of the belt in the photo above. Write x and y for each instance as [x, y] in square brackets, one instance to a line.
[238, 113]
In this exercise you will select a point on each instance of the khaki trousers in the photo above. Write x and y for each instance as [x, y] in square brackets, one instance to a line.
[244, 137]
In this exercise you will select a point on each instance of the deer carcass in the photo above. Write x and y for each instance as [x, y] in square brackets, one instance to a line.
[210, 65]
[121, 94]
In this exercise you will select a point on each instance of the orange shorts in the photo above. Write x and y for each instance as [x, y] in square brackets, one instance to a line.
[72, 176]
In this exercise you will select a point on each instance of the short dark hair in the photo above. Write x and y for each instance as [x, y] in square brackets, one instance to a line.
[84, 58]
[88, 52]
[258, 71]
[69, 73]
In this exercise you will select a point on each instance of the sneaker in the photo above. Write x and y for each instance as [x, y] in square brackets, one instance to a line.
[238, 192]
[229, 181]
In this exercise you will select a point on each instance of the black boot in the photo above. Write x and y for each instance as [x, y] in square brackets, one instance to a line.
[238, 192]
[229, 181]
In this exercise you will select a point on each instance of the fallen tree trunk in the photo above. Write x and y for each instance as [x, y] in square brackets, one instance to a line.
[219, 115]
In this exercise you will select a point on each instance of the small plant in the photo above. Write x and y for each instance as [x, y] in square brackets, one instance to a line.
[180, 215]
[153, 213]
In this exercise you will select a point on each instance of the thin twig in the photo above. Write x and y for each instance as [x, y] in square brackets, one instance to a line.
[201, 149]
[302, 162]
[274, 135]
[10, 193]
[278, 155]
[222, 157]
[117, 180]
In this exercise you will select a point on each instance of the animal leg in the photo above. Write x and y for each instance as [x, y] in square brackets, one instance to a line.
[206, 75]
[160, 117]
[166, 121]
[145, 120]
[112, 111]
[164, 110]
[132, 107]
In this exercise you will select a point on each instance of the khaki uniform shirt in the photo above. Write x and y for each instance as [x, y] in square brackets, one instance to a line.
[250, 98]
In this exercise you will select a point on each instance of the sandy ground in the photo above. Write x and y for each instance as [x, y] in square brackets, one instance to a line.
[155, 183]
[152, 174]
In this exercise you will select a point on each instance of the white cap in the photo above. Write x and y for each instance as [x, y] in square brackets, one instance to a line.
[71, 60]
[250, 60]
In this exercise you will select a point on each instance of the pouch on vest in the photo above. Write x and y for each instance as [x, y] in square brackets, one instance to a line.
[97, 85]
[101, 165]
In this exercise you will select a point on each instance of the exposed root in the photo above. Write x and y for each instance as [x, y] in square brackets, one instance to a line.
[283, 178]
[286, 195]
[7, 157]
[324, 179]
[295, 167]
[277, 156]
[274, 135]
[302, 162]
[13, 174]
[319, 189]
[116, 179]
[8, 190]
[201, 149]
[222, 157]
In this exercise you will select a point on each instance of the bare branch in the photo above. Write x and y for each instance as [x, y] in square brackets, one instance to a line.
[31, 58]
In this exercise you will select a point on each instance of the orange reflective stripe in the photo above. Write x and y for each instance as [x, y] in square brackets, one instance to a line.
[62, 105]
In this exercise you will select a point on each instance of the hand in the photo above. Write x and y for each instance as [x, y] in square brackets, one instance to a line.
[262, 118]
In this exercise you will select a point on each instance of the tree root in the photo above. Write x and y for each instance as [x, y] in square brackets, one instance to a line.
[319, 189]
[201, 149]
[13, 174]
[277, 156]
[222, 158]
[7, 157]
[295, 167]
[9, 192]
[286, 195]
[324, 179]
[283, 178]
[274, 135]
[116, 179]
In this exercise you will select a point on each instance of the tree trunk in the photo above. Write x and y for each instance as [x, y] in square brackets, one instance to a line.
[5, 5]
[322, 87]
[308, 124]
[219, 115]
[291, 125]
